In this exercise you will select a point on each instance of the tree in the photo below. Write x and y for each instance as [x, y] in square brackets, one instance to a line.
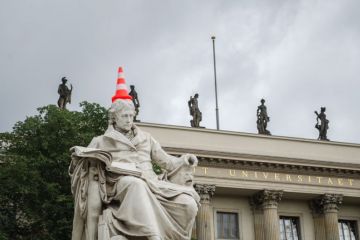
[35, 197]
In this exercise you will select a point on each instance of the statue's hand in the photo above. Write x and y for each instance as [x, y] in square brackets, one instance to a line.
[190, 159]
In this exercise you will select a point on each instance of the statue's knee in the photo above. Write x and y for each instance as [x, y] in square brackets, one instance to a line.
[191, 207]
[129, 181]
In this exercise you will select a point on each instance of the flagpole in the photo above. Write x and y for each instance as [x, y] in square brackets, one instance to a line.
[216, 94]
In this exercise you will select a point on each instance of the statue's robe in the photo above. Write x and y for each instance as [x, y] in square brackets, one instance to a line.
[145, 206]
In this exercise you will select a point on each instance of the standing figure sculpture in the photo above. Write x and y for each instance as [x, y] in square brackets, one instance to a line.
[262, 118]
[323, 126]
[117, 194]
[135, 100]
[64, 94]
[194, 111]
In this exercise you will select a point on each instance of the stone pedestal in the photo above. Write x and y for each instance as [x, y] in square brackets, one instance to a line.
[325, 211]
[203, 224]
[268, 227]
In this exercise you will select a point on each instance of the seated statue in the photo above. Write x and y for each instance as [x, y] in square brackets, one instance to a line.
[116, 192]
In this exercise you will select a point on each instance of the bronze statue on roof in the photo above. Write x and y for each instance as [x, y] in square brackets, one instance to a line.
[194, 111]
[262, 118]
[322, 124]
[64, 94]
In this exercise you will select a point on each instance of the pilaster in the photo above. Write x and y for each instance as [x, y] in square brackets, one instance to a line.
[258, 219]
[319, 221]
[331, 203]
[328, 205]
[203, 224]
[268, 201]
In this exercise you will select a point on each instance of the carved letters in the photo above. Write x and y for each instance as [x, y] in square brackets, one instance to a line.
[276, 177]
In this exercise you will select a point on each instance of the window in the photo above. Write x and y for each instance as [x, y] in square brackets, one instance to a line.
[227, 225]
[348, 230]
[289, 228]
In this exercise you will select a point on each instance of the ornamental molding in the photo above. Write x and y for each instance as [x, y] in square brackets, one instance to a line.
[270, 163]
[266, 199]
[206, 191]
[326, 203]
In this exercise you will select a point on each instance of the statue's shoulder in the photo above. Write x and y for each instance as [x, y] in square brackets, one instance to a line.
[142, 133]
[97, 141]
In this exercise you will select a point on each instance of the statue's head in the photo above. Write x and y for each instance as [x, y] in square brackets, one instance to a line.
[132, 87]
[196, 95]
[323, 109]
[262, 101]
[121, 114]
[64, 80]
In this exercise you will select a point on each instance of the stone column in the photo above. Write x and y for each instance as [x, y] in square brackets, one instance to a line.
[268, 200]
[319, 222]
[330, 204]
[258, 219]
[203, 225]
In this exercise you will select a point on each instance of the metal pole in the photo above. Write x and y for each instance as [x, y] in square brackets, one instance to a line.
[216, 97]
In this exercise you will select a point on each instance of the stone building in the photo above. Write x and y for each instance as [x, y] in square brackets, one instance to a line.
[256, 187]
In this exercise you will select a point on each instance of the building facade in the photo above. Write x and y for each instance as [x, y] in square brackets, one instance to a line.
[256, 187]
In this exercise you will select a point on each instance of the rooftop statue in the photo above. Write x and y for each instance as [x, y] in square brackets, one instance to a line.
[194, 111]
[64, 94]
[117, 194]
[262, 119]
[322, 124]
[135, 100]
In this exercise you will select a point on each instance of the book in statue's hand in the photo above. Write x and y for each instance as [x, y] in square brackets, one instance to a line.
[121, 168]
[124, 168]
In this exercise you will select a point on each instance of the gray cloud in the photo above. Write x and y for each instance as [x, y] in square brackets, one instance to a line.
[298, 55]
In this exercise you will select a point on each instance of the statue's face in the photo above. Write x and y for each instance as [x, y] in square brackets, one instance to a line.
[124, 119]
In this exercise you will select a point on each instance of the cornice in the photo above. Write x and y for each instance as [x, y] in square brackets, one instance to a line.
[247, 134]
[270, 163]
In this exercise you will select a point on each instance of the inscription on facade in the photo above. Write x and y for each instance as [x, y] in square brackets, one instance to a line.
[276, 177]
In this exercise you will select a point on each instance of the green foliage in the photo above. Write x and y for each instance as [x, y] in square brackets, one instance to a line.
[35, 197]
[157, 169]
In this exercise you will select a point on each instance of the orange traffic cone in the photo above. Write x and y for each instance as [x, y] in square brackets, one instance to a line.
[121, 88]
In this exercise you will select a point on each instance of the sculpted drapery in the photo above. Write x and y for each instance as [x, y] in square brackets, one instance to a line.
[128, 206]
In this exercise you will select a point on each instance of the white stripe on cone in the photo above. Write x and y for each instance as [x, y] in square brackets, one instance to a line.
[121, 86]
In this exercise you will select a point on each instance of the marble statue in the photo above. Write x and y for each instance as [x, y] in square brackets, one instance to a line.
[64, 94]
[194, 111]
[117, 194]
[323, 126]
[262, 118]
[135, 100]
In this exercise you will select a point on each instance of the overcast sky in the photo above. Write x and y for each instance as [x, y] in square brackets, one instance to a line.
[298, 55]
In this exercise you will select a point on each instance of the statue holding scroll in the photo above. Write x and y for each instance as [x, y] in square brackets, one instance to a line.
[117, 194]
